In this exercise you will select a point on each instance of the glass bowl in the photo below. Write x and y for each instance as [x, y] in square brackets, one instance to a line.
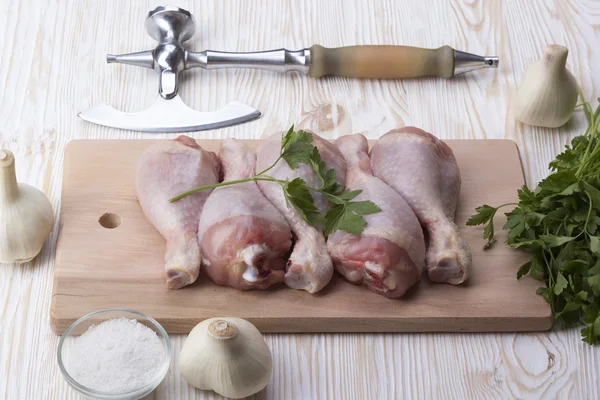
[82, 324]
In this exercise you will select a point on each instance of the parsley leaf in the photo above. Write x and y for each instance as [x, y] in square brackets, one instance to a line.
[595, 244]
[555, 241]
[363, 207]
[524, 270]
[484, 214]
[557, 224]
[560, 285]
[594, 282]
[349, 217]
[593, 193]
[296, 147]
[327, 176]
[297, 195]
[591, 332]
[349, 194]
[346, 215]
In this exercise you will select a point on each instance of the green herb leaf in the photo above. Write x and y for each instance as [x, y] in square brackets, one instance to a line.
[488, 234]
[591, 333]
[484, 214]
[342, 198]
[583, 295]
[298, 195]
[595, 270]
[333, 199]
[555, 241]
[332, 219]
[538, 270]
[557, 223]
[570, 189]
[575, 267]
[560, 285]
[340, 218]
[351, 223]
[595, 244]
[594, 194]
[527, 197]
[349, 194]
[594, 282]
[363, 207]
[346, 215]
[533, 244]
[546, 293]
[297, 147]
[556, 183]
[566, 254]
[524, 270]
[568, 308]
[515, 224]
[593, 224]
[533, 219]
[349, 217]
[327, 176]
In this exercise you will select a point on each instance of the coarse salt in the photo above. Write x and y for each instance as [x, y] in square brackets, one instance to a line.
[116, 356]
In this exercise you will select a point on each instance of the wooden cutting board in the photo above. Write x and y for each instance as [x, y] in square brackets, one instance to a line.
[98, 267]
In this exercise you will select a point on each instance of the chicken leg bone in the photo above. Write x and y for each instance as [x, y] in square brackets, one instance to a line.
[310, 267]
[243, 237]
[424, 171]
[165, 170]
[389, 256]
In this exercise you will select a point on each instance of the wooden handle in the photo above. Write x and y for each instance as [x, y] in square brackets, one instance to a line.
[381, 62]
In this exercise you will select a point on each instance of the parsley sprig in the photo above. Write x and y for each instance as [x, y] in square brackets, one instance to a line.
[558, 223]
[297, 148]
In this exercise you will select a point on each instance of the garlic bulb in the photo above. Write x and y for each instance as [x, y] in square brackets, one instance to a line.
[26, 217]
[227, 355]
[548, 93]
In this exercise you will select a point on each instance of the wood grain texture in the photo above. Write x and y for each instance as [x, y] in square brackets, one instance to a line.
[52, 66]
[109, 256]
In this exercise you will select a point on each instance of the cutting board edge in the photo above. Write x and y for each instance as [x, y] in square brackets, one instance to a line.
[362, 325]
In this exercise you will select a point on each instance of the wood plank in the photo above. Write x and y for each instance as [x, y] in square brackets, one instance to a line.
[123, 267]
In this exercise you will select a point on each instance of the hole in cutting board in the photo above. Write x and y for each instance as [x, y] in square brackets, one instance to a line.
[110, 221]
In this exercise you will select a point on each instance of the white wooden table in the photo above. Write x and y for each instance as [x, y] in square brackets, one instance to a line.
[52, 65]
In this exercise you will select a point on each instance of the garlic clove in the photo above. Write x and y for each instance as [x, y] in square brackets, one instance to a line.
[227, 355]
[548, 92]
[26, 216]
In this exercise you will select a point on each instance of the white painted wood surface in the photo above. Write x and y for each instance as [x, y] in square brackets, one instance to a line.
[52, 65]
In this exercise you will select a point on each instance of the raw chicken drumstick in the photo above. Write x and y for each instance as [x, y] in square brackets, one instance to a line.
[309, 267]
[423, 170]
[166, 169]
[243, 238]
[389, 256]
